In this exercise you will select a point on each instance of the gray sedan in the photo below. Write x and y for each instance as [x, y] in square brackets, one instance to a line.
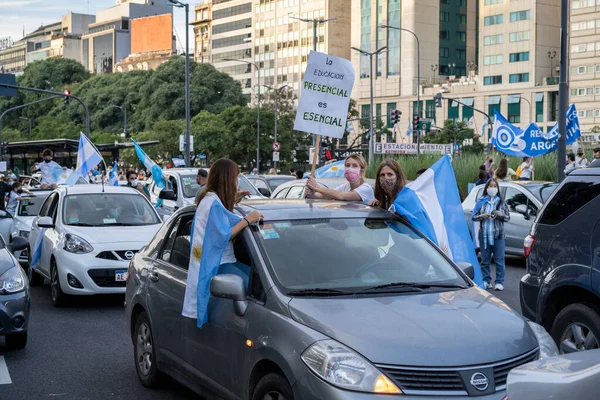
[524, 199]
[344, 301]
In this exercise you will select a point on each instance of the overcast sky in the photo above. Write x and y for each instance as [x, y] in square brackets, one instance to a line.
[14, 14]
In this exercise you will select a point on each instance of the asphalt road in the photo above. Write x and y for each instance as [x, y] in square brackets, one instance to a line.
[83, 352]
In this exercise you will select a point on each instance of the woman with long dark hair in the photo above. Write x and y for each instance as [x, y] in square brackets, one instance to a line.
[214, 227]
[390, 181]
[491, 212]
[503, 172]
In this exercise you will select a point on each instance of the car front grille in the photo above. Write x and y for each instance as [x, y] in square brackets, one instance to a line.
[105, 278]
[117, 255]
[448, 381]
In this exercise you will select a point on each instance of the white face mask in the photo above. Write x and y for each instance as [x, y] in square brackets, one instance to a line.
[492, 192]
[133, 182]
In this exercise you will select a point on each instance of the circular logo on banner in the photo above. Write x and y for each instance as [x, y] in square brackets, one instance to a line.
[505, 137]
[479, 381]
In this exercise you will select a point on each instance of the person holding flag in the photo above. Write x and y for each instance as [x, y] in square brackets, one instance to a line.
[114, 177]
[152, 167]
[49, 170]
[132, 182]
[214, 227]
[390, 181]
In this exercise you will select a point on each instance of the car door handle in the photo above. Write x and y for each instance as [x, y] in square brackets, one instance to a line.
[154, 276]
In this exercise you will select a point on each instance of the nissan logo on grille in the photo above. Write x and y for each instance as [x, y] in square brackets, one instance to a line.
[129, 254]
[479, 381]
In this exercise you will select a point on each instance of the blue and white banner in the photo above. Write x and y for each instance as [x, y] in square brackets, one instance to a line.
[114, 175]
[150, 166]
[432, 205]
[531, 141]
[88, 158]
[36, 254]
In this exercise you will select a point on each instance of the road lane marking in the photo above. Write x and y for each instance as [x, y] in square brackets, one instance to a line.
[4, 375]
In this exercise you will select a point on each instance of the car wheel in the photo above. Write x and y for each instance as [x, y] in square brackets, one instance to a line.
[273, 387]
[577, 328]
[59, 298]
[35, 279]
[16, 340]
[145, 353]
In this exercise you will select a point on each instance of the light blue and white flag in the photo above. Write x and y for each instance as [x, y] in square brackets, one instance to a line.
[114, 176]
[484, 127]
[333, 170]
[349, 127]
[150, 166]
[36, 255]
[531, 141]
[87, 159]
[432, 205]
[409, 131]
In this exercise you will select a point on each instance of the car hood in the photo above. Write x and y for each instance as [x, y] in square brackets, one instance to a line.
[117, 234]
[456, 328]
[23, 223]
[6, 261]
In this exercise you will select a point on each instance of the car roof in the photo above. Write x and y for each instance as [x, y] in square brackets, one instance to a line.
[267, 177]
[588, 171]
[90, 189]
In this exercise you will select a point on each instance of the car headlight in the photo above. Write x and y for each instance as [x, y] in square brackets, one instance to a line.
[24, 234]
[77, 245]
[342, 367]
[547, 346]
[13, 281]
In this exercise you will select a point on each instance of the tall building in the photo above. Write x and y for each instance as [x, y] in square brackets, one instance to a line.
[202, 32]
[584, 59]
[495, 59]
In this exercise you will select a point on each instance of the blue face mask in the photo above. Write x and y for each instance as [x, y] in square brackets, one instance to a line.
[74, 220]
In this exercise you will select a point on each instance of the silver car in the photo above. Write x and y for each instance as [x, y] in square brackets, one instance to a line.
[524, 199]
[344, 301]
[296, 189]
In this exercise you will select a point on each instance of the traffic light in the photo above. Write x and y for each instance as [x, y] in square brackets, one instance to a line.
[395, 116]
[67, 93]
[416, 122]
[322, 151]
[438, 100]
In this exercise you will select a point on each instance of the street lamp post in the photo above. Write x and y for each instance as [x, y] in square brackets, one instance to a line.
[434, 68]
[419, 108]
[372, 114]
[276, 112]
[528, 102]
[258, 120]
[124, 119]
[563, 90]
[28, 119]
[551, 56]
[186, 6]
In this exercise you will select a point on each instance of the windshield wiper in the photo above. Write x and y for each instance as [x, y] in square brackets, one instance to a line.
[319, 292]
[79, 224]
[413, 285]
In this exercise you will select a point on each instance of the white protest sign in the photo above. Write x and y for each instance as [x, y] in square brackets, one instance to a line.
[325, 95]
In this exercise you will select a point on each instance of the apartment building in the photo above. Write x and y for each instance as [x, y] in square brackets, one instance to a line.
[511, 58]
[202, 32]
[584, 72]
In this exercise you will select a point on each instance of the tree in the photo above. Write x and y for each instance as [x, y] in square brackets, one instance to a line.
[452, 132]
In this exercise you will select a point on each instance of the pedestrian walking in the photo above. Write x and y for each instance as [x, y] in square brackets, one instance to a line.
[214, 228]
[46, 168]
[491, 212]
[526, 169]
[504, 172]
[389, 182]
[355, 189]
[132, 181]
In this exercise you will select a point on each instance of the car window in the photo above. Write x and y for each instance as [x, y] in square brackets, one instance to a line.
[240, 248]
[180, 253]
[165, 253]
[369, 252]
[190, 185]
[296, 192]
[260, 184]
[281, 194]
[515, 197]
[30, 207]
[274, 183]
[108, 209]
[570, 197]
[155, 189]
[53, 208]
[479, 193]
[244, 184]
[46, 205]
[173, 185]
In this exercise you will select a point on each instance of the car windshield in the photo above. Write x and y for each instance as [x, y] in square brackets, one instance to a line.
[352, 254]
[275, 182]
[541, 192]
[30, 207]
[244, 184]
[108, 209]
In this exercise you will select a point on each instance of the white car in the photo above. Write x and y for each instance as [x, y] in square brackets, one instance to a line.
[89, 235]
[185, 188]
[27, 210]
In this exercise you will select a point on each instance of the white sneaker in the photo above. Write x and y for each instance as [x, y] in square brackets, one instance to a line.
[499, 286]
[487, 285]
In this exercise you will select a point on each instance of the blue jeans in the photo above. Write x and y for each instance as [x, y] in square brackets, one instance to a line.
[237, 268]
[497, 249]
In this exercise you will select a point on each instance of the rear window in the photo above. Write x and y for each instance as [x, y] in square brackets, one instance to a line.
[570, 197]
[541, 192]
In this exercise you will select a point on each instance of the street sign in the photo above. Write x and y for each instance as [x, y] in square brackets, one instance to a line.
[411, 148]
[182, 143]
[276, 146]
[275, 156]
[8, 79]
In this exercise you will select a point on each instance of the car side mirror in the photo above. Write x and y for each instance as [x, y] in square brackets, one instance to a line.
[18, 243]
[4, 214]
[265, 192]
[229, 286]
[467, 268]
[522, 209]
[45, 222]
[167, 195]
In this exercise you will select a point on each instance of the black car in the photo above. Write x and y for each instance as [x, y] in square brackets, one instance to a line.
[15, 301]
[561, 287]
[266, 184]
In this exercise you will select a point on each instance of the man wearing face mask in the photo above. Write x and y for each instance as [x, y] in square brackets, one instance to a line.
[14, 197]
[47, 169]
[356, 189]
[132, 181]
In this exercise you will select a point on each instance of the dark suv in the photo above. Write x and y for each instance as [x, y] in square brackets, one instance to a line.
[561, 287]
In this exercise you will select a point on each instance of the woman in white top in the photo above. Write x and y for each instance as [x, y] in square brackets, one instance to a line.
[355, 189]
[212, 254]
[503, 172]
[527, 169]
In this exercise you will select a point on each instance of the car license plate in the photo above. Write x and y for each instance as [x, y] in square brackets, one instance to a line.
[120, 275]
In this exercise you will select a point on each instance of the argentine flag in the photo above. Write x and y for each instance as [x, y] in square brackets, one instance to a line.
[409, 131]
[333, 170]
[150, 166]
[37, 249]
[87, 158]
[432, 205]
[114, 176]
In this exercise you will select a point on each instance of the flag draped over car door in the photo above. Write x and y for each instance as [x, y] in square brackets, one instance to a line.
[432, 205]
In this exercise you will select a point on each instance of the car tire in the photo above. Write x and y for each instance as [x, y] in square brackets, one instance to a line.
[585, 319]
[35, 279]
[16, 340]
[59, 298]
[144, 353]
[273, 386]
